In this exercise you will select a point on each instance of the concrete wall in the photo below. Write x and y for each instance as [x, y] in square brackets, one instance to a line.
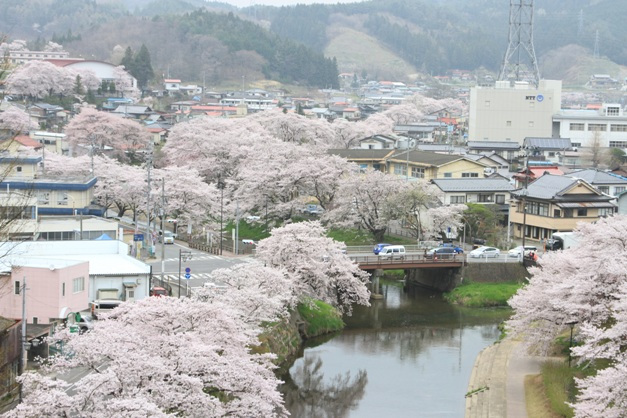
[446, 279]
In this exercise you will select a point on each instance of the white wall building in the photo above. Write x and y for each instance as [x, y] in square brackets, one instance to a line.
[511, 113]
[607, 125]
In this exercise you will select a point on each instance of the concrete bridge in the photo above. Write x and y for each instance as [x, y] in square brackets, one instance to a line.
[408, 261]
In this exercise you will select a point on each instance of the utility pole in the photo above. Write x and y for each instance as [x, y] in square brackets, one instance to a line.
[524, 193]
[163, 212]
[236, 227]
[23, 356]
[147, 238]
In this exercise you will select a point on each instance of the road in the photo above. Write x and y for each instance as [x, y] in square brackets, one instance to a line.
[201, 265]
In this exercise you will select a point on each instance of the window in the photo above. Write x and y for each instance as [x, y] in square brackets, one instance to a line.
[551, 154]
[618, 128]
[577, 126]
[464, 175]
[603, 212]
[448, 175]
[582, 212]
[62, 289]
[500, 199]
[618, 144]
[400, 169]
[618, 190]
[597, 127]
[604, 189]
[78, 284]
[537, 208]
[18, 169]
[43, 198]
[363, 168]
[35, 320]
[418, 172]
[62, 199]
[484, 198]
[576, 144]
[458, 199]
[508, 123]
[17, 286]
[612, 111]
[531, 123]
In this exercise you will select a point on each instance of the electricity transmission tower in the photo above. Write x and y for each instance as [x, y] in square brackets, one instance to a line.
[520, 45]
[596, 45]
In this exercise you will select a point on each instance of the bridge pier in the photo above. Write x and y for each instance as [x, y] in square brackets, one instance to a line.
[375, 288]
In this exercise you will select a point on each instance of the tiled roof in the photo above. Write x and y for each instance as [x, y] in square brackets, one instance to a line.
[597, 177]
[550, 186]
[493, 145]
[362, 154]
[547, 143]
[473, 185]
[425, 157]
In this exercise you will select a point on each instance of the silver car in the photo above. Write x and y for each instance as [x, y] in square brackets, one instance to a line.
[485, 252]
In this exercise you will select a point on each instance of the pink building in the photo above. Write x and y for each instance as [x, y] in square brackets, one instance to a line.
[54, 288]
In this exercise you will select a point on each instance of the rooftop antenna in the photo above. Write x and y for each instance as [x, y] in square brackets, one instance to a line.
[520, 43]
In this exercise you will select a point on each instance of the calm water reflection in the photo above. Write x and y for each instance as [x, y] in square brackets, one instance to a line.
[408, 355]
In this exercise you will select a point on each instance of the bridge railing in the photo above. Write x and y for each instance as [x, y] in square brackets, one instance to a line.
[368, 248]
[408, 258]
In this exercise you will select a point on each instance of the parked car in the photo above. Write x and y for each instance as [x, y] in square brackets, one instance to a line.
[485, 252]
[442, 253]
[518, 251]
[86, 323]
[253, 218]
[458, 250]
[392, 252]
[378, 247]
[478, 241]
[158, 291]
[248, 242]
[166, 237]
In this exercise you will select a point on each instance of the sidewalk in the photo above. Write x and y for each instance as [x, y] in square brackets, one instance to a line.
[497, 382]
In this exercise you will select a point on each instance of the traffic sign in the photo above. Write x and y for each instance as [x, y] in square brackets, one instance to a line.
[138, 237]
[188, 270]
[188, 276]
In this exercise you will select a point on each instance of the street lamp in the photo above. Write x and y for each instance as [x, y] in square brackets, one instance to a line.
[570, 345]
[184, 255]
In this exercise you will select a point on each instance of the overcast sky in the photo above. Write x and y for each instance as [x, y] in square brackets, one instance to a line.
[246, 3]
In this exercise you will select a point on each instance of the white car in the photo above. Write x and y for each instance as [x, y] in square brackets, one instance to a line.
[518, 251]
[253, 218]
[167, 237]
[485, 251]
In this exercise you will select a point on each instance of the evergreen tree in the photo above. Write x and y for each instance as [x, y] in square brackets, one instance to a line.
[128, 61]
[142, 68]
[78, 86]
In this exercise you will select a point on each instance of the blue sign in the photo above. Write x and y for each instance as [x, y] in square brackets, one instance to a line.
[138, 237]
[188, 270]
[539, 97]
[188, 276]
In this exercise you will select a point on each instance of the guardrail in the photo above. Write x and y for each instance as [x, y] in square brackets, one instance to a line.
[407, 259]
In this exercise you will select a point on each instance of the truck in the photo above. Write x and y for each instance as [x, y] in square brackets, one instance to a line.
[561, 241]
[107, 300]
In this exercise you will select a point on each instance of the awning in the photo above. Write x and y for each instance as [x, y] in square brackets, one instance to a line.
[574, 205]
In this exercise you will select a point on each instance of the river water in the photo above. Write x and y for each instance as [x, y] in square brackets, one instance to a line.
[408, 355]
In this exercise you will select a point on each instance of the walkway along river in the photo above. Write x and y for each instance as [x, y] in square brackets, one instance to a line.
[408, 355]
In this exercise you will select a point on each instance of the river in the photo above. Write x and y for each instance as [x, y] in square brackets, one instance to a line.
[408, 355]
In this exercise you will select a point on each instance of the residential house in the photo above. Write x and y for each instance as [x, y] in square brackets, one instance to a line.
[15, 144]
[138, 112]
[172, 85]
[185, 105]
[488, 191]
[52, 141]
[366, 158]
[547, 149]
[430, 165]
[607, 183]
[506, 149]
[191, 90]
[622, 203]
[556, 203]
[379, 142]
[46, 115]
[420, 131]
[534, 170]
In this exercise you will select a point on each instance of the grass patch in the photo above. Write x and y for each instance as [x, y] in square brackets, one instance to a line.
[253, 230]
[362, 237]
[481, 295]
[559, 386]
[320, 318]
[537, 403]
[394, 275]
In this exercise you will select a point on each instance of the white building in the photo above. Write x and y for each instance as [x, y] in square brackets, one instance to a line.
[606, 126]
[511, 113]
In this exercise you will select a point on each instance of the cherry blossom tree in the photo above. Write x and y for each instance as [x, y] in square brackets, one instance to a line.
[403, 114]
[583, 286]
[124, 83]
[291, 127]
[38, 79]
[14, 120]
[367, 199]
[160, 357]
[103, 132]
[316, 265]
[348, 134]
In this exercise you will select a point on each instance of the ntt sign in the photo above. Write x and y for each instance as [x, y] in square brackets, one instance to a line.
[539, 97]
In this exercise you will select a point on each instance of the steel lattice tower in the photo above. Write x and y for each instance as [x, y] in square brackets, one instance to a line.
[520, 45]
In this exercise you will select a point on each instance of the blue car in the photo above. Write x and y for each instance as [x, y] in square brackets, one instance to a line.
[377, 248]
[458, 250]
